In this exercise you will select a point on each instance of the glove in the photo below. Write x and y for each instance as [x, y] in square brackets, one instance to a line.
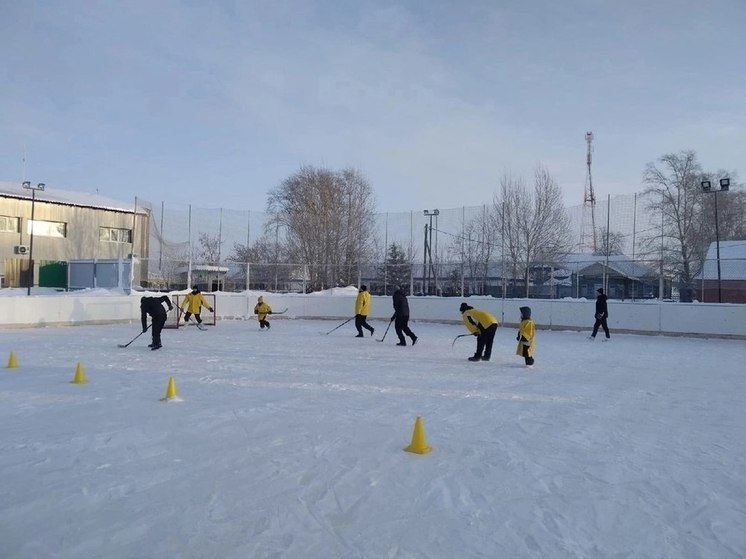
[269, 312]
[144, 330]
[393, 317]
[475, 334]
[209, 309]
[518, 338]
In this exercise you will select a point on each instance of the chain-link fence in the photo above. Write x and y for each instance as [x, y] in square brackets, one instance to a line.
[576, 278]
[445, 255]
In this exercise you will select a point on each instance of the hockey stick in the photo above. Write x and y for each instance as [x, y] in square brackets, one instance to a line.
[460, 336]
[133, 339]
[340, 326]
[387, 331]
[283, 311]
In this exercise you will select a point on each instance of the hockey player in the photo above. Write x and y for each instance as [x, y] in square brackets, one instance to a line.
[401, 317]
[483, 325]
[193, 303]
[525, 337]
[261, 310]
[602, 313]
[153, 306]
[362, 309]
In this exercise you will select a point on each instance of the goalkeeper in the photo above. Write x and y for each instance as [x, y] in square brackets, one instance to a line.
[193, 303]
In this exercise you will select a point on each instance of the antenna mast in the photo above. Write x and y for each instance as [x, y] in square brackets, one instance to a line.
[589, 198]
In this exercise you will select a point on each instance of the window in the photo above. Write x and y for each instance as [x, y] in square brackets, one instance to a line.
[9, 224]
[114, 235]
[47, 228]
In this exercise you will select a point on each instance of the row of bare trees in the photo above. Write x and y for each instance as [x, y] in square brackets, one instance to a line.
[325, 219]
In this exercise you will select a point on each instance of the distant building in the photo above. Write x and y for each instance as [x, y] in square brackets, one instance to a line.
[732, 288]
[581, 274]
[575, 276]
[69, 226]
[205, 276]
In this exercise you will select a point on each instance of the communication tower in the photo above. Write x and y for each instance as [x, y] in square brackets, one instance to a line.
[588, 238]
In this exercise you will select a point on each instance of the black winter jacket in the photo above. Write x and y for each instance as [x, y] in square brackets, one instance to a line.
[153, 306]
[601, 307]
[401, 306]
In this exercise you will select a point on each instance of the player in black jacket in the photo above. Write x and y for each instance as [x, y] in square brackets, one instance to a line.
[153, 306]
[602, 313]
[401, 317]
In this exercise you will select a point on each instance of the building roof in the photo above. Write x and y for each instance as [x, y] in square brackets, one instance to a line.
[203, 268]
[590, 264]
[66, 197]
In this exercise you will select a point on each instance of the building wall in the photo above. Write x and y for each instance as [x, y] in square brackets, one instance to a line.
[730, 291]
[82, 235]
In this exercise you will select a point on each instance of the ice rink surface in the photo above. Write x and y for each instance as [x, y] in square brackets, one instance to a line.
[288, 443]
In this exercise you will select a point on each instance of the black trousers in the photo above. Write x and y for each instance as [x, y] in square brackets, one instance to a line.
[601, 322]
[401, 325]
[484, 342]
[362, 322]
[263, 323]
[527, 357]
[159, 319]
[197, 317]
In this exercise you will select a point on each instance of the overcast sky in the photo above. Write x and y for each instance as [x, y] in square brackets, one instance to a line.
[215, 103]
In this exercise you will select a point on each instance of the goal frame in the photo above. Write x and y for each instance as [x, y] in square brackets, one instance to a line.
[175, 318]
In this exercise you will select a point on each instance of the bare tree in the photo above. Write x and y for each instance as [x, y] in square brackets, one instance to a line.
[534, 224]
[327, 218]
[475, 250]
[258, 253]
[208, 249]
[611, 242]
[508, 203]
[673, 191]
[731, 211]
[267, 260]
[174, 259]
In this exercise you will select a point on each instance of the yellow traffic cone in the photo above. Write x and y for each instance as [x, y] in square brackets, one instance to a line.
[79, 377]
[12, 360]
[170, 390]
[419, 442]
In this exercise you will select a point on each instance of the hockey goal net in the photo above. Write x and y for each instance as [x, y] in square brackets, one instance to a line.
[176, 317]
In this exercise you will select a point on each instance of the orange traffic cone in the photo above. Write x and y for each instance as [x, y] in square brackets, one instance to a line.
[419, 442]
[170, 390]
[79, 377]
[12, 360]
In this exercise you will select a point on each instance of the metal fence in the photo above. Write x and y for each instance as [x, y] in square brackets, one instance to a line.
[622, 279]
[177, 256]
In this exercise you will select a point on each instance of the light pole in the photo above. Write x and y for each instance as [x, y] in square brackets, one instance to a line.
[429, 246]
[707, 188]
[28, 186]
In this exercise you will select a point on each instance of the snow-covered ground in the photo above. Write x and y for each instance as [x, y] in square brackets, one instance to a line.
[288, 443]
